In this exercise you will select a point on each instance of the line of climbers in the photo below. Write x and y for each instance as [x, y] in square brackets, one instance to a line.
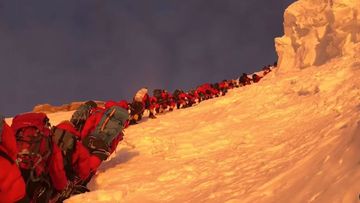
[162, 100]
[44, 163]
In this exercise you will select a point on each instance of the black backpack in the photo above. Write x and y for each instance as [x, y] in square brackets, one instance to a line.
[157, 93]
[66, 141]
[136, 108]
[176, 93]
[81, 114]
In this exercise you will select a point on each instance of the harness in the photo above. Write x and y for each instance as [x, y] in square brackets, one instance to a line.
[7, 157]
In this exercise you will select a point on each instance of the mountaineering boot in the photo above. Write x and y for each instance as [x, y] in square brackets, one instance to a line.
[151, 115]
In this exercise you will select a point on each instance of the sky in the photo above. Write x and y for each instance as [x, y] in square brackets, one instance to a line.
[62, 51]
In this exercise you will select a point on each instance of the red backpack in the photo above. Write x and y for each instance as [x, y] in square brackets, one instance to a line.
[32, 131]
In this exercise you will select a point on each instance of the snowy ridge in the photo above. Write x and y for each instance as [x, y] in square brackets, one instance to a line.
[317, 31]
[289, 138]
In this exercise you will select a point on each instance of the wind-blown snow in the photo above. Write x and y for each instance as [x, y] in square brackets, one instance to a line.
[293, 137]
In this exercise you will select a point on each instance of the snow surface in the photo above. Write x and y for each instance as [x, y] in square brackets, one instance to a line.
[317, 31]
[293, 137]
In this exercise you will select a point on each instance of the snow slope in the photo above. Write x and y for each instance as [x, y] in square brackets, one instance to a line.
[293, 137]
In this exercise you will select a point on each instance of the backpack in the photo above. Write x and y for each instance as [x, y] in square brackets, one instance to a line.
[66, 141]
[140, 94]
[244, 80]
[109, 127]
[80, 116]
[157, 93]
[136, 108]
[176, 93]
[32, 134]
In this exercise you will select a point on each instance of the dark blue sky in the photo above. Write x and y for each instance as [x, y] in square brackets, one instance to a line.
[62, 51]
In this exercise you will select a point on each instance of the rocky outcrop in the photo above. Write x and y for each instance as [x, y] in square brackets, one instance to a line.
[316, 31]
[47, 108]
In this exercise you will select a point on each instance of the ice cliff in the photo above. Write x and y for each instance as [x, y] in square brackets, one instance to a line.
[317, 31]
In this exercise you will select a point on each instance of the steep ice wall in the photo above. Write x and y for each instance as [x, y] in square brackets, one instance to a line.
[317, 31]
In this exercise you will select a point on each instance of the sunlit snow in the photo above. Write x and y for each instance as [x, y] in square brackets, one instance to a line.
[293, 137]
